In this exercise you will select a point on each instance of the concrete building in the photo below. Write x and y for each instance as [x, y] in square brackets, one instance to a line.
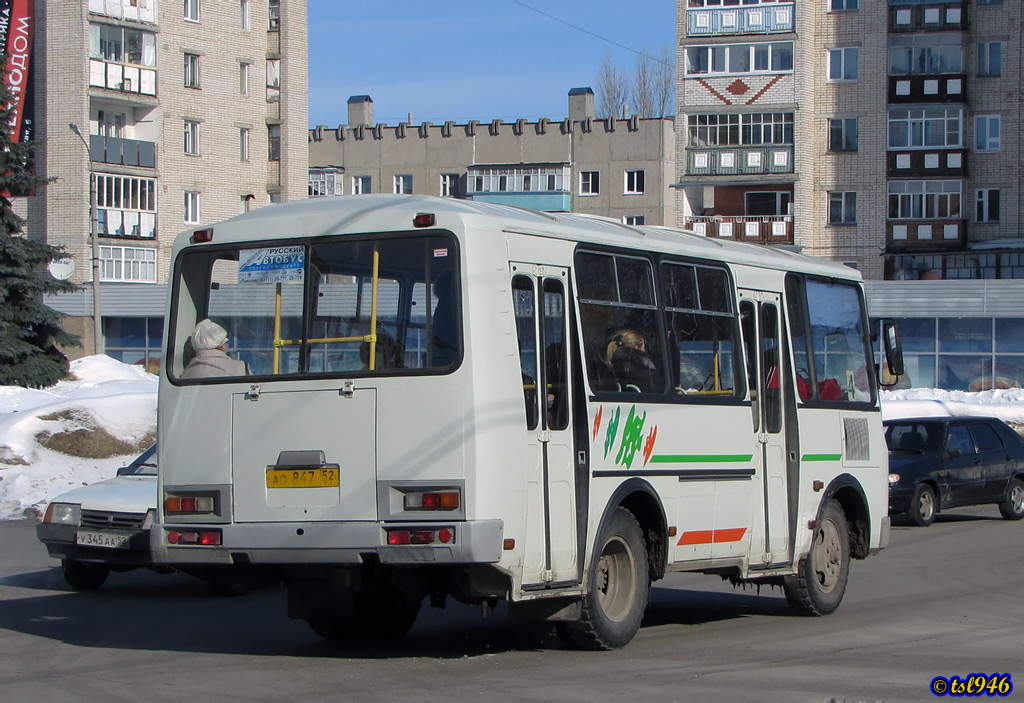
[885, 135]
[618, 168]
[188, 113]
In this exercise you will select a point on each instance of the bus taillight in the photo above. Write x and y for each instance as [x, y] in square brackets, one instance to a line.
[432, 500]
[192, 505]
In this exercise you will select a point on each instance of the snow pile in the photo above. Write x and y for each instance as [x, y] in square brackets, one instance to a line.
[118, 398]
[1006, 404]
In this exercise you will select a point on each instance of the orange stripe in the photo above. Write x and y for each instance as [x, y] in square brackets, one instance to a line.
[734, 534]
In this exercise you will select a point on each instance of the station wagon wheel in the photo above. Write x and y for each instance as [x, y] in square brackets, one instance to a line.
[619, 587]
[923, 505]
[1013, 507]
[818, 586]
[83, 576]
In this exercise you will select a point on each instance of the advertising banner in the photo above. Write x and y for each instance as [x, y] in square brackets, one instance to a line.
[17, 25]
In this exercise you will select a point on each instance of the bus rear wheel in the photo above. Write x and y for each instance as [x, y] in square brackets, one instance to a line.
[619, 586]
[375, 617]
[818, 586]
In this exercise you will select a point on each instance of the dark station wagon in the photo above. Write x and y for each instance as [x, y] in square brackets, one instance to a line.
[944, 462]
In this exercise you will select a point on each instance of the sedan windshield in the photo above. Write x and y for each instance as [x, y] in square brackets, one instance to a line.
[914, 437]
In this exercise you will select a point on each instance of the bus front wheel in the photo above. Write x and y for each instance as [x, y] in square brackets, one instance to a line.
[818, 586]
[618, 590]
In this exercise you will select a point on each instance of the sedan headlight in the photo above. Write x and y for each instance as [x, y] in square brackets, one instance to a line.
[63, 514]
[894, 478]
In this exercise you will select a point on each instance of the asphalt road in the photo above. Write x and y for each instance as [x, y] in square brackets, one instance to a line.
[941, 601]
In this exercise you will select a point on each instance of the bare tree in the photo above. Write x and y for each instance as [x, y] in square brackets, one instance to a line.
[612, 89]
[663, 83]
[642, 90]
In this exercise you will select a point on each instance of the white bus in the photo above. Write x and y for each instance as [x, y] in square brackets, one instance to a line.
[443, 397]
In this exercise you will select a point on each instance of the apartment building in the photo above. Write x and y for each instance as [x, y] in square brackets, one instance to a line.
[618, 168]
[884, 135]
[182, 112]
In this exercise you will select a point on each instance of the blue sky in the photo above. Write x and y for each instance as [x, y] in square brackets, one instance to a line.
[460, 60]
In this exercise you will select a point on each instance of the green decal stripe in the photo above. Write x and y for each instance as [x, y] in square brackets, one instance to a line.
[822, 457]
[700, 458]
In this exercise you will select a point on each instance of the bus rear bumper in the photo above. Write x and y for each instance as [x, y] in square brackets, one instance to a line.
[472, 542]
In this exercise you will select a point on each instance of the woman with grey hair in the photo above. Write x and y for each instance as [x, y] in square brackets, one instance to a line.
[210, 342]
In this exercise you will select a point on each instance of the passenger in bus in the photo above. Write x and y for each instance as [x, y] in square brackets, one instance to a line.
[210, 342]
[631, 365]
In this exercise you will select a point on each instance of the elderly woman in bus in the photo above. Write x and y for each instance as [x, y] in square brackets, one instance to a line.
[631, 365]
[210, 342]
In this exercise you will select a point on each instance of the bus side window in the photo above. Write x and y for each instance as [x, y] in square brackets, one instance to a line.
[524, 305]
[748, 329]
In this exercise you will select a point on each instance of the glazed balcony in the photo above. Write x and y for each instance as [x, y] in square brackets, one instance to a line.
[758, 229]
[138, 10]
[764, 18]
[124, 152]
[124, 78]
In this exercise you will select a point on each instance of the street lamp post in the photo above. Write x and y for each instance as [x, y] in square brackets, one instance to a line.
[97, 313]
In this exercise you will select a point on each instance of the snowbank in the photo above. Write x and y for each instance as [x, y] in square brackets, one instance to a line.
[119, 398]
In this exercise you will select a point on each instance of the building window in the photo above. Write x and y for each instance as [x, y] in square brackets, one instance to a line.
[990, 58]
[986, 205]
[925, 127]
[122, 45]
[134, 340]
[243, 143]
[986, 132]
[125, 206]
[129, 264]
[634, 182]
[275, 197]
[926, 54]
[325, 182]
[191, 70]
[734, 129]
[924, 200]
[192, 137]
[842, 64]
[842, 207]
[842, 134]
[990, 2]
[192, 10]
[633, 219]
[192, 207]
[402, 184]
[590, 182]
[246, 15]
[450, 185]
[243, 78]
[842, 5]
[274, 13]
[520, 179]
[740, 58]
[274, 142]
[361, 185]
[273, 80]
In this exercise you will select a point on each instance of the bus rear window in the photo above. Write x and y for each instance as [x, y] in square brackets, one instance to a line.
[340, 306]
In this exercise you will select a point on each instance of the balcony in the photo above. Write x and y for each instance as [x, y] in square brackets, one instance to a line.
[773, 18]
[908, 235]
[736, 160]
[927, 163]
[124, 78]
[124, 152]
[944, 88]
[758, 229]
[928, 16]
[544, 202]
[139, 10]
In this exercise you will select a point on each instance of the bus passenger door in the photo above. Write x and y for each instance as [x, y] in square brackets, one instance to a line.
[768, 378]
[540, 294]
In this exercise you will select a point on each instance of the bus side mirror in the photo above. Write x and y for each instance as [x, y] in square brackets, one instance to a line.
[893, 348]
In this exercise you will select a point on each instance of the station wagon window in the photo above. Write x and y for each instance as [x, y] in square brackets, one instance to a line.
[830, 349]
[701, 324]
[317, 308]
[619, 316]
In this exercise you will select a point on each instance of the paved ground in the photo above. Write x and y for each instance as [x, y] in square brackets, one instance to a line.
[941, 601]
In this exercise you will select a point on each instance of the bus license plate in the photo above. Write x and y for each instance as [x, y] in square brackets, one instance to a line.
[302, 478]
[111, 540]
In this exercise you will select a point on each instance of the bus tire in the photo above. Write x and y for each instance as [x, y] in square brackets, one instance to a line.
[83, 576]
[818, 586]
[619, 587]
[375, 618]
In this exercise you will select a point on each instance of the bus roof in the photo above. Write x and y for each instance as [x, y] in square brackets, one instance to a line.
[386, 212]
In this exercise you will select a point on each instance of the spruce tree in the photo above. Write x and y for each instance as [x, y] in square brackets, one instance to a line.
[29, 330]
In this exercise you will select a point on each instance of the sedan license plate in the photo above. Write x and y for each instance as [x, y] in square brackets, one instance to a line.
[111, 540]
[303, 478]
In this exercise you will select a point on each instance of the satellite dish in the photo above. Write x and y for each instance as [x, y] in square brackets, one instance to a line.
[61, 269]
